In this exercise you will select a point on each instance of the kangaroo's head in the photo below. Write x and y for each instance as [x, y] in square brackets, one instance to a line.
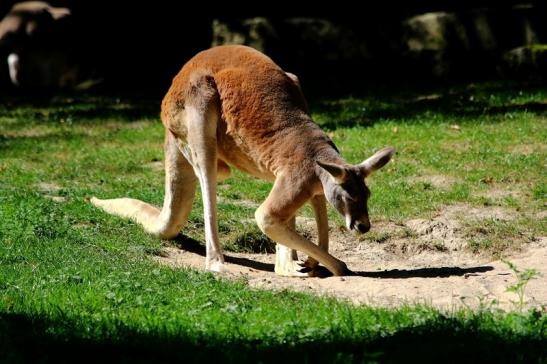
[346, 189]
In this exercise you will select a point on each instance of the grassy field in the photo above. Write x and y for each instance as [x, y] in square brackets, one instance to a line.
[77, 283]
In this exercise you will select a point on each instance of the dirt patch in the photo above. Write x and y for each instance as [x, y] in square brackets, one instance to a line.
[34, 132]
[116, 125]
[463, 211]
[437, 181]
[418, 261]
[49, 187]
[458, 147]
[58, 199]
[527, 149]
[157, 166]
[240, 202]
[500, 193]
[50, 191]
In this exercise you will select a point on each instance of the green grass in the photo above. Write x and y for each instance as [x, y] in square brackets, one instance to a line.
[496, 236]
[75, 282]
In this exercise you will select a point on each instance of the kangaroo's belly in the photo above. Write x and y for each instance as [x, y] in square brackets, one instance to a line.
[236, 154]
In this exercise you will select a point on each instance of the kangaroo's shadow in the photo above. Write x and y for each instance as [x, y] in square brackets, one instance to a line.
[193, 246]
[435, 272]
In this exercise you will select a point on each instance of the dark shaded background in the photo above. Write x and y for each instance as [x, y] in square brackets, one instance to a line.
[138, 46]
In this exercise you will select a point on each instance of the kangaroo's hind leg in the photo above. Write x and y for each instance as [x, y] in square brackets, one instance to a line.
[201, 116]
[180, 187]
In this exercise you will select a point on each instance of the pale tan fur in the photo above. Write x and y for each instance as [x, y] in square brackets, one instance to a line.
[232, 106]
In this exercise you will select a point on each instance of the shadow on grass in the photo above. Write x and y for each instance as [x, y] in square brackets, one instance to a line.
[369, 108]
[253, 242]
[81, 109]
[413, 109]
[30, 140]
[441, 339]
[365, 108]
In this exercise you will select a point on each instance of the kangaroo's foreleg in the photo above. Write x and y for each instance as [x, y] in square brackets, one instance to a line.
[180, 187]
[272, 218]
[286, 259]
[321, 219]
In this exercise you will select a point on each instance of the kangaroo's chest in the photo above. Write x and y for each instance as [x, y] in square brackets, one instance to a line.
[239, 152]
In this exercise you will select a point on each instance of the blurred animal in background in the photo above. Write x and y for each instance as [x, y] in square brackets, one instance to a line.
[38, 40]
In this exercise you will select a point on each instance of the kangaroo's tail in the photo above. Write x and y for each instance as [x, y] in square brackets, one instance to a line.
[138, 211]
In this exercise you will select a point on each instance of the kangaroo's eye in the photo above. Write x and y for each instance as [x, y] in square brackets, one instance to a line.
[348, 197]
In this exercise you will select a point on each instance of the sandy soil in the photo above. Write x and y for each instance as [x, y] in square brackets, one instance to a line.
[420, 261]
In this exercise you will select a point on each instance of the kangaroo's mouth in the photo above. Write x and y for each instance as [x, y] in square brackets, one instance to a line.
[361, 227]
[357, 226]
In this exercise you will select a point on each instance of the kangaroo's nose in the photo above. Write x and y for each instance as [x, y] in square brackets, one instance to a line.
[363, 228]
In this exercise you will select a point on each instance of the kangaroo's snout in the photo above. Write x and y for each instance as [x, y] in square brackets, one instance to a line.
[362, 228]
[359, 226]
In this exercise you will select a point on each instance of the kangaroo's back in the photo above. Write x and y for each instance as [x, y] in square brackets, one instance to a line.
[252, 88]
[262, 109]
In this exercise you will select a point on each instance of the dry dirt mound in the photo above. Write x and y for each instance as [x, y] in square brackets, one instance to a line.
[420, 261]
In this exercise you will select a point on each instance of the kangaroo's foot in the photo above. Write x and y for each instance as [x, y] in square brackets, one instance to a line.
[287, 264]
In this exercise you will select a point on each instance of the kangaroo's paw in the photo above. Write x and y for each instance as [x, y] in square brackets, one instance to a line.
[215, 265]
[291, 268]
[310, 263]
[297, 268]
[316, 270]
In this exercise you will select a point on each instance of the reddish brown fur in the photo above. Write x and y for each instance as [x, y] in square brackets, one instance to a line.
[263, 112]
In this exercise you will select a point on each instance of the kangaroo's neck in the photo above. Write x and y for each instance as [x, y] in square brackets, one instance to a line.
[327, 153]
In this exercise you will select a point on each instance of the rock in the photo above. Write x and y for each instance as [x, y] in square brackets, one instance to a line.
[258, 33]
[528, 61]
[481, 28]
[434, 42]
[324, 39]
[299, 39]
[440, 44]
[434, 32]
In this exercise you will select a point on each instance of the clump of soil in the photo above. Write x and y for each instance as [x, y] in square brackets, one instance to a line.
[436, 181]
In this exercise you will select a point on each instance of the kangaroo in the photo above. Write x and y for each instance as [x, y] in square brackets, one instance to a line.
[232, 106]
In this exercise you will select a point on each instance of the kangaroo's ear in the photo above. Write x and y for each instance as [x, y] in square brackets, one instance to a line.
[377, 161]
[338, 173]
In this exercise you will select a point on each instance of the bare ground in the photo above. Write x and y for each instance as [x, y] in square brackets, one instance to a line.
[418, 261]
